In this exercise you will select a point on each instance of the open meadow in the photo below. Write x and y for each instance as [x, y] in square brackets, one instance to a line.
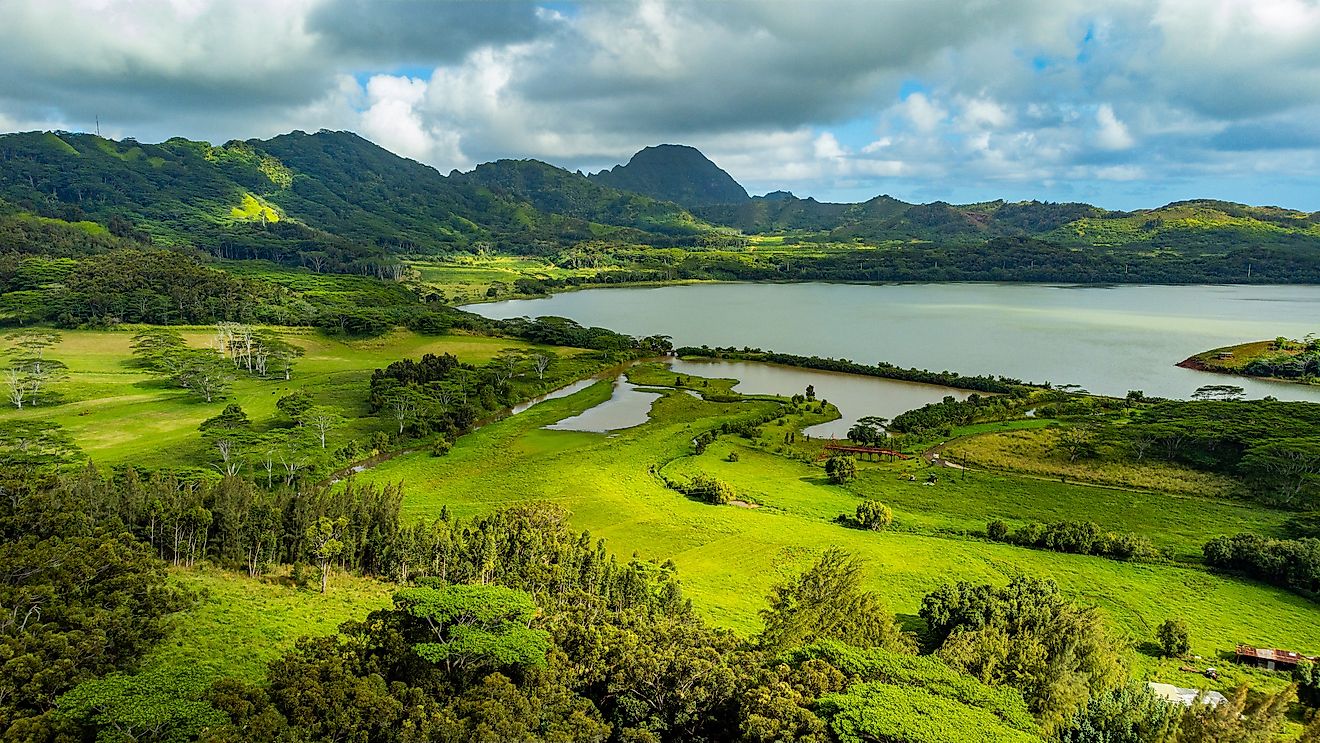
[729, 556]
[118, 412]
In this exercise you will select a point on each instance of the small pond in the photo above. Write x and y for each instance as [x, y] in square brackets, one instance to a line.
[855, 396]
[628, 406]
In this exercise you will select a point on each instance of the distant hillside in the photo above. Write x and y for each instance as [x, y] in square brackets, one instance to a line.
[676, 173]
[332, 198]
[1203, 224]
[335, 202]
[558, 191]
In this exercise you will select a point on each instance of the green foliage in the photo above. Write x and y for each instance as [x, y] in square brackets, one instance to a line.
[827, 602]
[924, 672]
[82, 598]
[874, 515]
[1273, 445]
[841, 469]
[1307, 678]
[1026, 636]
[1129, 714]
[160, 705]
[1075, 537]
[1243, 718]
[1172, 638]
[1291, 563]
[475, 626]
[876, 711]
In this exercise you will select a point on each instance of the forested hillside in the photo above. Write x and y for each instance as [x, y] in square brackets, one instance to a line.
[335, 203]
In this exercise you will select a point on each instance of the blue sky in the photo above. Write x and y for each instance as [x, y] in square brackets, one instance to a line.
[1125, 104]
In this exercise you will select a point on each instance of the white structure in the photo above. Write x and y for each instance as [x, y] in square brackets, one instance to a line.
[1186, 697]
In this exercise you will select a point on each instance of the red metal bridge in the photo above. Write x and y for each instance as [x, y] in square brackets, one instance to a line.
[863, 451]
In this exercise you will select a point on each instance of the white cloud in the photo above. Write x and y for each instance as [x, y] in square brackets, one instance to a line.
[1111, 134]
[924, 114]
[1030, 92]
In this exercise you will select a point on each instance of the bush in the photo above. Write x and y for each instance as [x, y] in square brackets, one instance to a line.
[1307, 677]
[874, 515]
[1074, 537]
[441, 447]
[1172, 639]
[733, 457]
[840, 469]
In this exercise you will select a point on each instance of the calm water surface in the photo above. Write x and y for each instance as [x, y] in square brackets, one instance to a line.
[855, 396]
[1107, 339]
[627, 407]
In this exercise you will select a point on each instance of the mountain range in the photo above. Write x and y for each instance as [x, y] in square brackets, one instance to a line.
[348, 203]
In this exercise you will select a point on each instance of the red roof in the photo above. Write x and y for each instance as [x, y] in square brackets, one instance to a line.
[1274, 654]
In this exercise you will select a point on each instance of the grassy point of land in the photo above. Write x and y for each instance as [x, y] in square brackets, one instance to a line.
[1278, 359]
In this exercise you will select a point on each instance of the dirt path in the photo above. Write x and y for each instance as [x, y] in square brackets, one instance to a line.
[934, 456]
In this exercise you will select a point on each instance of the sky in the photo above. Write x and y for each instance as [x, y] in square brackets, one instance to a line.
[1122, 103]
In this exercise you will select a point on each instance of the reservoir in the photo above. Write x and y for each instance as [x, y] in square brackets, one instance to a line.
[1108, 339]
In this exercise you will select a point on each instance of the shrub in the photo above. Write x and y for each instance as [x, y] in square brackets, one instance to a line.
[1172, 638]
[441, 447]
[840, 469]
[874, 515]
[997, 530]
[733, 457]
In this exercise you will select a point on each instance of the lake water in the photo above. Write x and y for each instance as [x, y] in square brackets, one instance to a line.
[855, 396]
[1107, 339]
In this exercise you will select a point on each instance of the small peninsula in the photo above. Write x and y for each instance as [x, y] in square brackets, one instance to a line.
[1285, 359]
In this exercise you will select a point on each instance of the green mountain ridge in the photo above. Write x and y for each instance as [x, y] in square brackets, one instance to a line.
[676, 173]
[336, 202]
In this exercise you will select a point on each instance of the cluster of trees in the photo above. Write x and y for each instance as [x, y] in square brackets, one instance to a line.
[235, 523]
[1289, 359]
[176, 287]
[560, 331]
[236, 348]
[1291, 563]
[1074, 537]
[1273, 446]
[79, 596]
[705, 488]
[939, 418]
[439, 394]
[999, 385]
[1027, 636]
[29, 373]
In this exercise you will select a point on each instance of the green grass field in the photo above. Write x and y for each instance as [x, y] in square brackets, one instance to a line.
[729, 557]
[468, 281]
[117, 412]
[240, 624]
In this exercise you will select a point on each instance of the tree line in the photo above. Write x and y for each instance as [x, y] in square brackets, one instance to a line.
[981, 383]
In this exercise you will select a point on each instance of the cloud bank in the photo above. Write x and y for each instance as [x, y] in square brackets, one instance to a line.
[1138, 102]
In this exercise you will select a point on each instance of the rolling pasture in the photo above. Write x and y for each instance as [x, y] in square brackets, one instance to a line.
[730, 556]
